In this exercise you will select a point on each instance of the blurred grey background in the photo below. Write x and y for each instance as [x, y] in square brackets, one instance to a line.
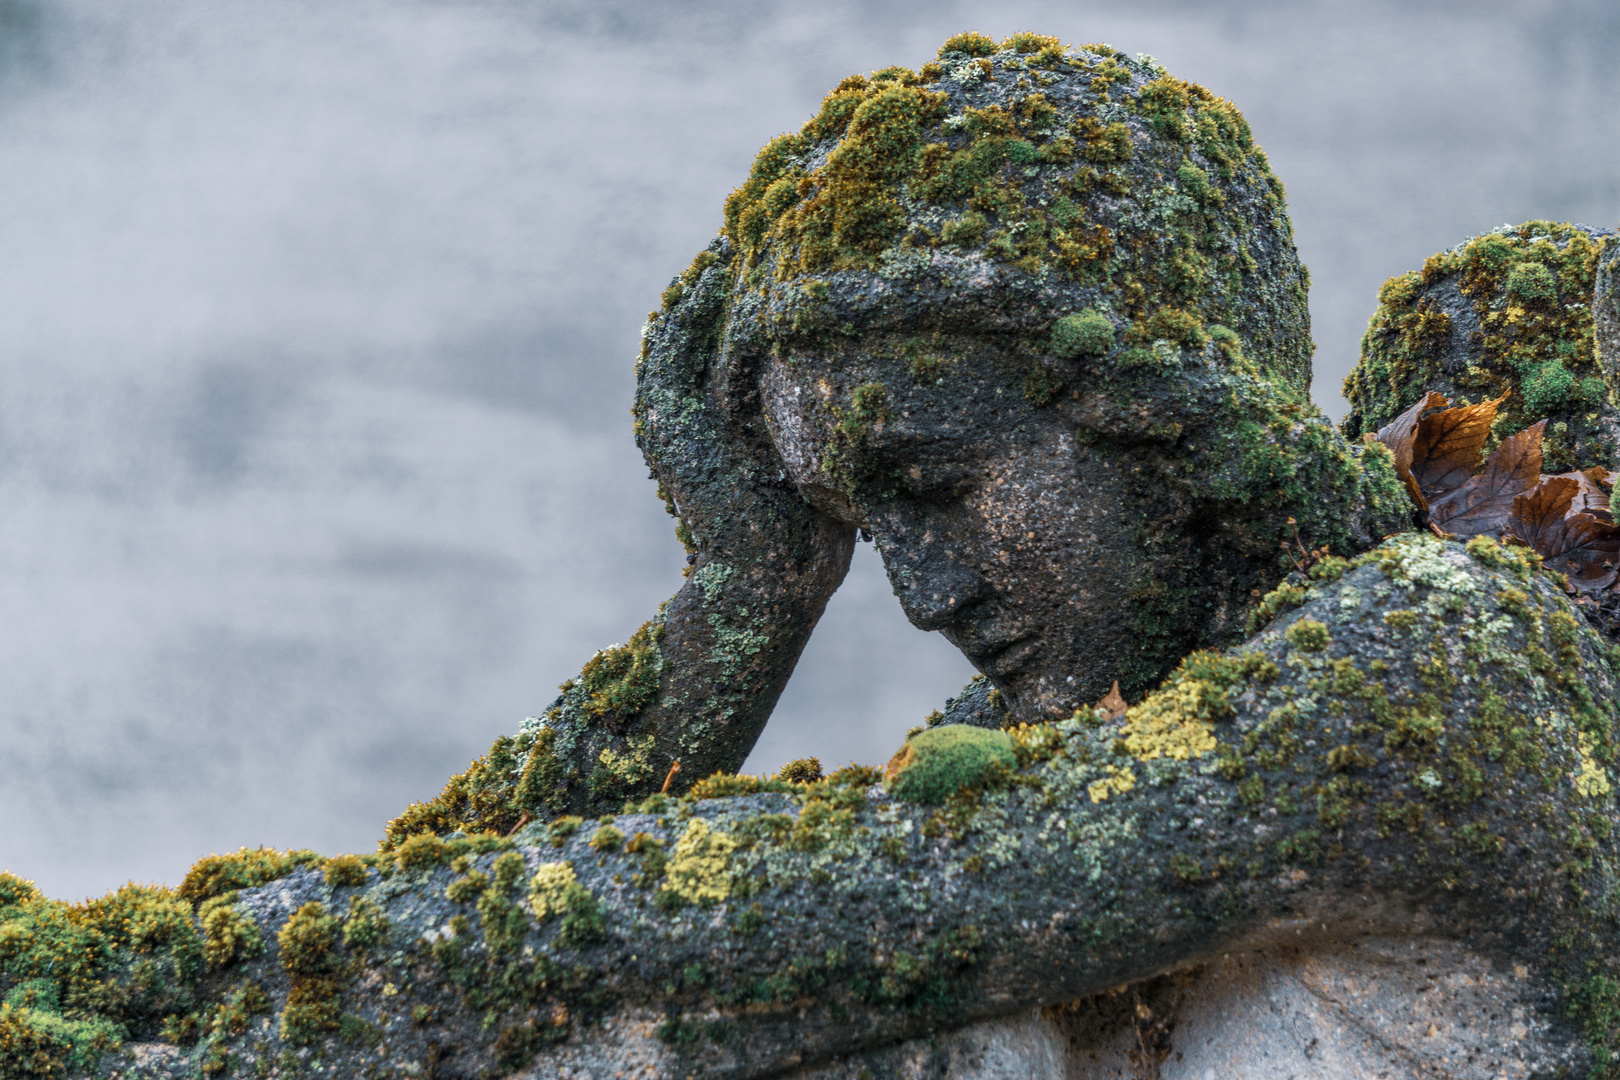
[316, 326]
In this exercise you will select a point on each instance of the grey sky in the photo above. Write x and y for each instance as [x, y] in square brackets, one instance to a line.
[316, 322]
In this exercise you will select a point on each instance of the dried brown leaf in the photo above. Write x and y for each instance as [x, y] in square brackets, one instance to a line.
[1113, 703]
[1401, 433]
[1538, 511]
[1584, 549]
[1483, 505]
[1446, 446]
[1591, 498]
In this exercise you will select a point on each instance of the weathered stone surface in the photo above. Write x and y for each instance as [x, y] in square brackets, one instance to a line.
[1519, 309]
[1374, 1009]
[975, 705]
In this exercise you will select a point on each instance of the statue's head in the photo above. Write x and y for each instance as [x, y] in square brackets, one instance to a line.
[1033, 318]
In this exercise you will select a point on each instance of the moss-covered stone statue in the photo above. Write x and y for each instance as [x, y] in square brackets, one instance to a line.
[1032, 318]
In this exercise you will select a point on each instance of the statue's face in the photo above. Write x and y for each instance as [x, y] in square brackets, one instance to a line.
[999, 526]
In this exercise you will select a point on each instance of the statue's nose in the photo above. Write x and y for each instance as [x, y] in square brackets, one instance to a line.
[936, 589]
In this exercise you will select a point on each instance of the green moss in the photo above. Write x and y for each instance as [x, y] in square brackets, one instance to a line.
[563, 829]
[1283, 598]
[1011, 180]
[15, 890]
[37, 1044]
[468, 887]
[1087, 334]
[1531, 281]
[620, 680]
[367, 926]
[217, 875]
[968, 44]
[725, 785]
[425, 851]
[607, 838]
[310, 956]
[504, 921]
[1595, 1006]
[940, 761]
[556, 893]
[229, 934]
[1308, 635]
[344, 870]
[801, 771]
[517, 777]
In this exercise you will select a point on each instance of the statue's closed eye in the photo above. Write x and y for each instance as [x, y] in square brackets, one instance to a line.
[935, 481]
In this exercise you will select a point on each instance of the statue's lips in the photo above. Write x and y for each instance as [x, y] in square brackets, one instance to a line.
[1006, 659]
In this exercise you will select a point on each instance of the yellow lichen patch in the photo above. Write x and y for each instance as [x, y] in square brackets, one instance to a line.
[1592, 780]
[1176, 723]
[697, 872]
[1118, 781]
[550, 887]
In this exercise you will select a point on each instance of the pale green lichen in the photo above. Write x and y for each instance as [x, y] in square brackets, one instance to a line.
[1118, 780]
[549, 889]
[1172, 723]
[1592, 780]
[697, 872]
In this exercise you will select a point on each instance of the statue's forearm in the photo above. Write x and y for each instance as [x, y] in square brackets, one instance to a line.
[1427, 742]
[699, 681]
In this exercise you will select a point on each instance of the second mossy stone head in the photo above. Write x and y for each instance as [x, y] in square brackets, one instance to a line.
[1518, 310]
[937, 763]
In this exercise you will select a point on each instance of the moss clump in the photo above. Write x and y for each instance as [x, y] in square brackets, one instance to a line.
[217, 875]
[519, 776]
[968, 44]
[556, 893]
[936, 763]
[618, 681]
[367, 927]
[503, 920]
[1308, 635]
[344, 870]
[80, 977]
[41, 1044]
[606, 838]
[723, 785]
[16, 890]
[229, 934]
[309, 954]
[1511, 309]
[1087, 334]
[425, 851]
[801, 771]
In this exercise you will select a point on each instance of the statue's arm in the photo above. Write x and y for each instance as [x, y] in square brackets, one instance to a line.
[698, 682]
[1425, 745]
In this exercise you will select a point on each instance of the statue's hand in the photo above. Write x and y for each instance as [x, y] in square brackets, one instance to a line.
[698, 681]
